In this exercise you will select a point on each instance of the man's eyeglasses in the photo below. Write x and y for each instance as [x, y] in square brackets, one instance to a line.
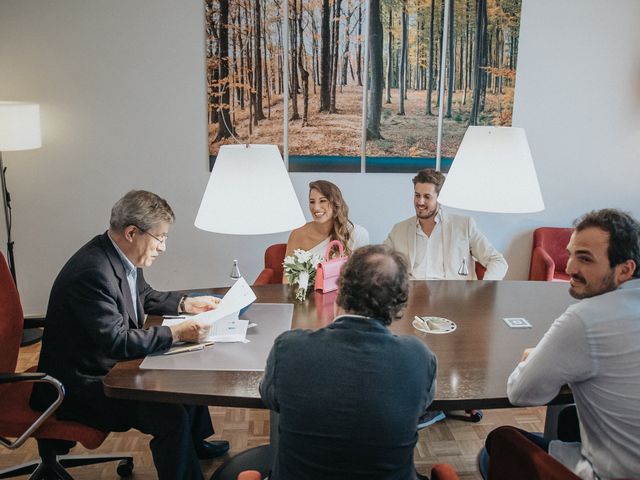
[162, 239]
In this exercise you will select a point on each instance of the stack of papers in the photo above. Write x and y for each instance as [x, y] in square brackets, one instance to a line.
[224, 322]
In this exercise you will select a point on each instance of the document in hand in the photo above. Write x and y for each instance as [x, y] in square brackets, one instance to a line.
[224, 322]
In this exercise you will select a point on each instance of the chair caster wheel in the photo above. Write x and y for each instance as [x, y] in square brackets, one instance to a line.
[125, 467]
[475, 415]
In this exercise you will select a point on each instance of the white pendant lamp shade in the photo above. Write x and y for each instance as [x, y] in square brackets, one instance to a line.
[19, 126]
[249, 193]
[493, 171]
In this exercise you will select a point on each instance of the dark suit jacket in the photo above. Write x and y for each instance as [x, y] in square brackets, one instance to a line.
[90, 324]
[349, 397]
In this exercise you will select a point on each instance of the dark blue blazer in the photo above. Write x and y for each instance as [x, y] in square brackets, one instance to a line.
[349, 397]
[90, 324]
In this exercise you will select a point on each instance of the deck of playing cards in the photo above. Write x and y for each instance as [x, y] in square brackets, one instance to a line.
[517, 322]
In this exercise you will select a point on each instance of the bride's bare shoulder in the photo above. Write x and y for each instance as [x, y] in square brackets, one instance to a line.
[298, 238]
[300, 231]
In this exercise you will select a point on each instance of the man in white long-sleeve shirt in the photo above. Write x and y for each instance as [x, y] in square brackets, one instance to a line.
[594, 347]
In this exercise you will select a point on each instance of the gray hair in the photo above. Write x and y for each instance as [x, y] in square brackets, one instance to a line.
[142, 209]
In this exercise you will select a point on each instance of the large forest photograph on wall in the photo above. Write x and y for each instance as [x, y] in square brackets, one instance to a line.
[327, 42]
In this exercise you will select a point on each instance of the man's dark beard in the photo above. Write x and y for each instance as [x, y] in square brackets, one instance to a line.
[608, 285]
[431, 215]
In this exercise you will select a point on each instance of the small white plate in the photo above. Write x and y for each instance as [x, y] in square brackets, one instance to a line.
[435, 325]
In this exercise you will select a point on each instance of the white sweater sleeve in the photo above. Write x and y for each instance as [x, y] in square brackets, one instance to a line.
[561, 357]
[487, 255]
[360, 237]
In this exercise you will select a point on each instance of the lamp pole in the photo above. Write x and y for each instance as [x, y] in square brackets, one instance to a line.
[33, 334]
[19, 130]
[6, 200]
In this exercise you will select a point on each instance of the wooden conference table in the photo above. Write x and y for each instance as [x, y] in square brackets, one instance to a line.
[474, 361]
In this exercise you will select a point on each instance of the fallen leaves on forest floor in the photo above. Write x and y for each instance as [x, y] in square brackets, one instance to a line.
[411, 135]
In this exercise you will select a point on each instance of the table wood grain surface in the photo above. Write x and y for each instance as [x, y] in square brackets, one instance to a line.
[474, 361]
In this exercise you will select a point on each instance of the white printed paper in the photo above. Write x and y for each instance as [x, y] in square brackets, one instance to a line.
[224, 322]
[229, 329]
[239, 296]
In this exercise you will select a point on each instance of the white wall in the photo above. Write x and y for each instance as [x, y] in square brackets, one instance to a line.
[121, 87]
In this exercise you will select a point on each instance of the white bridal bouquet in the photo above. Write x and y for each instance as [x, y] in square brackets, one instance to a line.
[300, 268]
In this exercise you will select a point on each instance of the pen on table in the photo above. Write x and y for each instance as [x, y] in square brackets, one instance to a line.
[189, 348]
[175, 317]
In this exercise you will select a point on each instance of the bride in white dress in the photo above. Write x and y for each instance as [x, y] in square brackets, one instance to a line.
[330, 221]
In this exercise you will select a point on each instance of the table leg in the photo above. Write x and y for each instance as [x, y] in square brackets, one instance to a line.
[256, 458]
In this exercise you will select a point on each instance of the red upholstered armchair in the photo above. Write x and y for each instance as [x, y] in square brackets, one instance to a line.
[512, 456]
[273, 258]
[440, 471]
[549, 255]
[19, 421]
[480, 271]
[443, 471]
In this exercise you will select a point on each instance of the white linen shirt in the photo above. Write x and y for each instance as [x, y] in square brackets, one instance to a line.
[595, 348]
[429, 261]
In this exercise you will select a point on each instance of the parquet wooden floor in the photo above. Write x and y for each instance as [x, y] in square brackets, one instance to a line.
[450, 441]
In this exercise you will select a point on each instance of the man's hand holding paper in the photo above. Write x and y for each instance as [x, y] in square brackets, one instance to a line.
[190, 331]
[239, 296]
[200, 304]
[222, 323]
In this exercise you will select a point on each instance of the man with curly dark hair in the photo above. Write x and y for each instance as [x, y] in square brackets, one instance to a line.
[594, 347]
[350, 394]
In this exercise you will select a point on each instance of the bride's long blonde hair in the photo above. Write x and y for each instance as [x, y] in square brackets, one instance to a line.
[342, 226]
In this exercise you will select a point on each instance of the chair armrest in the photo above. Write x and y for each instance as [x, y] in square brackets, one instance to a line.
[20, 377]
[39, 378]
[34, 321]
[542, 265]
[443, 471]
[265, 277]
[249, 475]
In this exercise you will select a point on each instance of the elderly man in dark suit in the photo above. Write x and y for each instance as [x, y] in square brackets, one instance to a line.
[95, 318]
[350, 394]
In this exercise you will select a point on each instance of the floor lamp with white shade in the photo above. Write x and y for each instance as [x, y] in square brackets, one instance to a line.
[19, 130]
[492, 171]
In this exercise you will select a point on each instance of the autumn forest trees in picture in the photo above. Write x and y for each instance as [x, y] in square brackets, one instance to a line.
[326, 38]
